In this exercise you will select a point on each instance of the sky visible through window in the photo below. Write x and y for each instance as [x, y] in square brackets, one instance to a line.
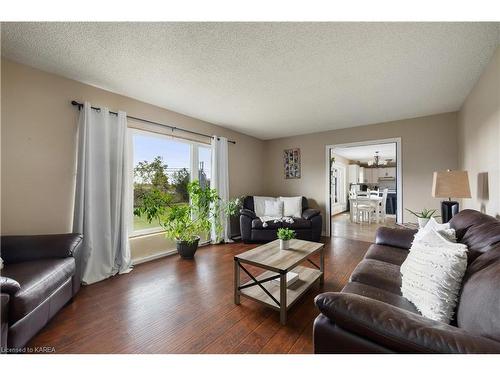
[175, 154]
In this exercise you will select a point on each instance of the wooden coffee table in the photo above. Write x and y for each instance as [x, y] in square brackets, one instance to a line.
[278, 263]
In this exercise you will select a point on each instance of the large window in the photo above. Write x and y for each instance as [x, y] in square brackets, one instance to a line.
[204, 165]
[166, 164]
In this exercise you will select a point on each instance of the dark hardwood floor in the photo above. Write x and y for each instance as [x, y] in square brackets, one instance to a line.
[173, 305]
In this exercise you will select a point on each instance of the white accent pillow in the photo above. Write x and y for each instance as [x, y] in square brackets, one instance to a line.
[444, 229]
[292, 206]
[432, 275]
[273, 208]
[259, 204]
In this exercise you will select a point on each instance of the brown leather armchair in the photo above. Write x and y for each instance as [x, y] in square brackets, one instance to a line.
[41, 274]
[371, 316]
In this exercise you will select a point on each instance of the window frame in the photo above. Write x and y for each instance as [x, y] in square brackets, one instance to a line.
[194, 170]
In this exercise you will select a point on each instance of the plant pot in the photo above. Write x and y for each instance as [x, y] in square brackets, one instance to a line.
[187, 249]
[422, 222]
[284, 244]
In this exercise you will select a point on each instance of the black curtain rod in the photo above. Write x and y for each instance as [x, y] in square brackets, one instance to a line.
[80, 105]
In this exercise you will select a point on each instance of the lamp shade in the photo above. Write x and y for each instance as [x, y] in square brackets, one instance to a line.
[451, 184]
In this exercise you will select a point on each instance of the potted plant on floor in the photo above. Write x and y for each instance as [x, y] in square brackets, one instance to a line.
[184, 223]
[285, 235]
[423, 216]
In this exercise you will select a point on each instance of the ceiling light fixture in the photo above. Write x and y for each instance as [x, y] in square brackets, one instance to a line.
[376, 161]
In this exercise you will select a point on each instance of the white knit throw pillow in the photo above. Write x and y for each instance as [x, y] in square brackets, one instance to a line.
[432, 275]
[443, 229]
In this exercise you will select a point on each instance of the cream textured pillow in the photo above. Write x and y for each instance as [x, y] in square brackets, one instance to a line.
[292, 206]
[273, 208]
[259, 204]
[443, 229]
[432, 275]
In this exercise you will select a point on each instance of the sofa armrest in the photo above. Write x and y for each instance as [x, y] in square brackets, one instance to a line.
[309, 213]
[248, 213]
[9, 286]
[395, 237]
[4, 317]
[398, 329]
[246, 228]
[16, 249]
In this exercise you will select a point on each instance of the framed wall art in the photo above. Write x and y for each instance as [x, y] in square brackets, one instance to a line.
[291, 163]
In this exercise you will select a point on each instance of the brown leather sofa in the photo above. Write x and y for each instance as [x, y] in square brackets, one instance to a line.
[370, 316]
[308, 227]
[41, 274]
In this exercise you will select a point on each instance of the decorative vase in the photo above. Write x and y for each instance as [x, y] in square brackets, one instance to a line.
[422, 222]
[284, 244]
[187, 249]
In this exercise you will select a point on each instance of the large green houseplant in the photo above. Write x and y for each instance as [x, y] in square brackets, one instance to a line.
[185, 222]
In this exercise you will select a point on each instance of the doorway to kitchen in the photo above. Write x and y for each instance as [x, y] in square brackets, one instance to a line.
[364, 187]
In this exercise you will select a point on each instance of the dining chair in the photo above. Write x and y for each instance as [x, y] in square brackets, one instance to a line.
[352, 204]
[364, 209]
[382, 206]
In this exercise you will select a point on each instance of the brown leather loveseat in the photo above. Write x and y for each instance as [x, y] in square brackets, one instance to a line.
[370, 316]
[41, 274]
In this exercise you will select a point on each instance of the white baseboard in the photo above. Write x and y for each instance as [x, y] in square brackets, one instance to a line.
[162, 254]
[154, 257]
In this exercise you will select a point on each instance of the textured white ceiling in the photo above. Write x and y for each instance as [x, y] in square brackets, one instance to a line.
[365, 153]
[268, 79]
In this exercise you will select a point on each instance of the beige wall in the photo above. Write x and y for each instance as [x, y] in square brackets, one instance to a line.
[428, 144]
[479, 140]
[38, 148]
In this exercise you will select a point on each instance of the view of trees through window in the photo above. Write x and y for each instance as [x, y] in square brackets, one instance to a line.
[165, 164]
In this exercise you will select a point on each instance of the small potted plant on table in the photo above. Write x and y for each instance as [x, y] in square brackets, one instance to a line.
[423, 216]
[285, 235]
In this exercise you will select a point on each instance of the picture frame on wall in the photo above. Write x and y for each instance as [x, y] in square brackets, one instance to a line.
[291, 163]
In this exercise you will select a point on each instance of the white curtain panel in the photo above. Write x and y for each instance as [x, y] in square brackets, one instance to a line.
[101, 199]
[220, 182]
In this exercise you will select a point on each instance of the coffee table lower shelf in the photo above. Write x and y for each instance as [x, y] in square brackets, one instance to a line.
[307, 277]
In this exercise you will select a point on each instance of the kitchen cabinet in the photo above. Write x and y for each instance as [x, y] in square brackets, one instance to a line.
[353, 173]
[367, 175]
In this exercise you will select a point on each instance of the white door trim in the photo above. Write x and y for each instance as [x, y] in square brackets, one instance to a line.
[399, 176]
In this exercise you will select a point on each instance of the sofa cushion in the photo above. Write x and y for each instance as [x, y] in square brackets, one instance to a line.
[38, 280]
[257, 224]
[388, 254]
[248, 203]
[481, 238]
[298, 224]
[478, 310]
[465, 219]
[380, 274]
[380, 295]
